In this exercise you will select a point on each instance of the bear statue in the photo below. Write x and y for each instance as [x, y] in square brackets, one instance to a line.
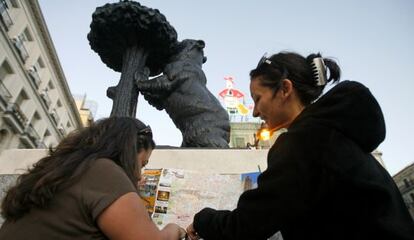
[182, 92]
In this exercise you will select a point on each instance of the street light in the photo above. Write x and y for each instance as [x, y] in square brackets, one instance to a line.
[262, 134]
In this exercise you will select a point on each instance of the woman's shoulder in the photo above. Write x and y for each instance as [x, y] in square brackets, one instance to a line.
[103, 183]
[105, 163]
[105, 168]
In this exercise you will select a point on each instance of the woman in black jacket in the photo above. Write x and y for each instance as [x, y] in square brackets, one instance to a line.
[321, 181]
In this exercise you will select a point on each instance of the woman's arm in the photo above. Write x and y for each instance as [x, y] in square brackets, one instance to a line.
[288, 190]
[127, 218]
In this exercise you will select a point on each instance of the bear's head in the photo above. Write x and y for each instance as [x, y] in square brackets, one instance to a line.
[190, 50]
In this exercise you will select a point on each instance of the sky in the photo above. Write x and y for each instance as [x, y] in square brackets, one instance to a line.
[372, 41]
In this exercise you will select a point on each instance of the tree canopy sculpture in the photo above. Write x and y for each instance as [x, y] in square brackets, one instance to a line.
[134, 40]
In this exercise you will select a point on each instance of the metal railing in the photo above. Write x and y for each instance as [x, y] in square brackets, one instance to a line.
[34, 75]
[55, 117]
[45, 97]
[5, 17]
[62, 130]
[407, 187]
[19, 44]
[17, 112]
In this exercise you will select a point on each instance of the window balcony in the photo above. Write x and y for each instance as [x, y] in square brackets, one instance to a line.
[19, 44]
[55, 117]
[34, 75]
[5, 17]
[62, 130]
[15, 117]
[407, 187]
[45, 97]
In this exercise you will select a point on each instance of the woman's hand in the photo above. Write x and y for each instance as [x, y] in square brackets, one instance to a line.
[191, 232]
[173, 231]
[141, 182]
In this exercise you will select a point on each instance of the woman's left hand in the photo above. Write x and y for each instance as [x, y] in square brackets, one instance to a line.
[191, 232]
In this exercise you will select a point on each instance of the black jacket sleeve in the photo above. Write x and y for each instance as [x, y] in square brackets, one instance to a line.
[286, 191]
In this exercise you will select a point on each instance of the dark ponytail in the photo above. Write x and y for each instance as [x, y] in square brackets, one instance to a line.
[331, 66]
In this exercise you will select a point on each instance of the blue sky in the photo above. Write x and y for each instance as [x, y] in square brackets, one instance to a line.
[372, 41]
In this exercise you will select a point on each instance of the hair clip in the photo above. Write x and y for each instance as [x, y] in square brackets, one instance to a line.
[319, 71]
[269, 62]
[264, 59]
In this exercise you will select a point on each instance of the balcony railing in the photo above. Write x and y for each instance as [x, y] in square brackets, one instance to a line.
[407, 188]
[62, 130]
[34, 75]
[55, 117]
[17, 112]
[31, 132]
[5, 17]
[45, 97]
[19, 44]
[5, 95]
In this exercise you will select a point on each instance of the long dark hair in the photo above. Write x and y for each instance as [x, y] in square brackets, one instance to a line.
[298, 69]
[117, 138]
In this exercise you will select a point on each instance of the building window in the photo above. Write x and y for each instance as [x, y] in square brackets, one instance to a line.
[5, 18]
[14, 3]
[406, 182]
[5, 4]
[26, 36]
[22, 98]
[31, 128]
[39, 63]
[36, 119]
[46, 138]
[3, 136]
[50, 85]
[59, 103]
[5, 70]
[46, 134]
[20, 46]
[240, 143]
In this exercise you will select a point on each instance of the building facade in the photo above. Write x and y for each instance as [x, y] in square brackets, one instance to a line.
[86, 108]
[245, 135]
[405, 182]
[36, 107]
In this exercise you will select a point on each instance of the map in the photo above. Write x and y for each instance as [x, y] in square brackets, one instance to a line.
[176, 195]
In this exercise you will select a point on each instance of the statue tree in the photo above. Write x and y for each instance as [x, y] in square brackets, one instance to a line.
[134, 40]
[139, 42]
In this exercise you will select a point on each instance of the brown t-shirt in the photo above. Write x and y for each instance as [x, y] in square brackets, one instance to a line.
[73, 212]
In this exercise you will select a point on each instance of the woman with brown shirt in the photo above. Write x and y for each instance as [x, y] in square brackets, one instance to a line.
[86, 188]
